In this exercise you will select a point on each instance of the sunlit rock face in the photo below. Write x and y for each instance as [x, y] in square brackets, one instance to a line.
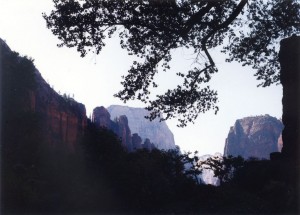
[254, 137]
[64, 119]
[158, 132]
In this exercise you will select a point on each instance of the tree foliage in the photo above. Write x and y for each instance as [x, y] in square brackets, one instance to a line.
[150, 29]
[224, 168]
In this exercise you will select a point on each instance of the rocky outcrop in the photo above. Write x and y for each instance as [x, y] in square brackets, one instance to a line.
[136, 142]
[157, 132]
[119, 126]
[64, 119]
[101, 118]
[289, 56]
[254, 137]
[123, 130]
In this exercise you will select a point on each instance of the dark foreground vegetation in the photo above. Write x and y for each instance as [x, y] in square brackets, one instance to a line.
[101, 177]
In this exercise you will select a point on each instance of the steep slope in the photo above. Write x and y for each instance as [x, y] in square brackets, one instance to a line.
[157, 132]
[102, 118]
[25, 90]
[254, 137]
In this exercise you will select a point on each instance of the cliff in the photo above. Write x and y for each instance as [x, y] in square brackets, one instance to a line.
[131, 142]
[158, 132]
[25, 90]
[289, 56]
[254, 137]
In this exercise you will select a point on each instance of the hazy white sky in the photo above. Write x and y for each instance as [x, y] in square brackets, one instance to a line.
[94, 79]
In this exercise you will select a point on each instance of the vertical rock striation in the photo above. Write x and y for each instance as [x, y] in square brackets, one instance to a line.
[158, 132]
[254, 137]
[64, 119]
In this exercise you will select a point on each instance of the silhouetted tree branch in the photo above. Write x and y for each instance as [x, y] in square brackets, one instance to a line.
[248, 30]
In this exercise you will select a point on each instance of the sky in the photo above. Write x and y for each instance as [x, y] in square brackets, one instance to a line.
[94, 80]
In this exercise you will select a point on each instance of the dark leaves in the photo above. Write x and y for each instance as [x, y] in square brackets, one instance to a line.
[150, 29]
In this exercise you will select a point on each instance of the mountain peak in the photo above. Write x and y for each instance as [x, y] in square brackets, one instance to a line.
[254, 136]
[158, 132]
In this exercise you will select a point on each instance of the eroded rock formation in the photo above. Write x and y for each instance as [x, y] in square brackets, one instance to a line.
[158, 132]
[254, 137]
[120, 126]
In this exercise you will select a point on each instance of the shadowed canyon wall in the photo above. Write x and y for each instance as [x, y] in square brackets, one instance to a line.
[289, 58]
[64, 119]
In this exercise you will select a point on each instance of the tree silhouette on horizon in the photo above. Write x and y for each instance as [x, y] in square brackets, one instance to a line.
[248, 31]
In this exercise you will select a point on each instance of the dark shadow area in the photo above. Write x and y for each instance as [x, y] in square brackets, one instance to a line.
[99, 176]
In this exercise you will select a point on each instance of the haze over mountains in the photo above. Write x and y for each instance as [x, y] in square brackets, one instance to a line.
[158, 132]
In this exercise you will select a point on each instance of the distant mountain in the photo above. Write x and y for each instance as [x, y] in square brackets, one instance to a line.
[256, 136]
[119, 125]
[158, 132]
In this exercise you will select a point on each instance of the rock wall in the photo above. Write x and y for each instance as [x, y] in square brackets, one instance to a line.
[289, 56]
[254, 137]
[119, 126]
[132, 142]
[158, 132]
[64, 118]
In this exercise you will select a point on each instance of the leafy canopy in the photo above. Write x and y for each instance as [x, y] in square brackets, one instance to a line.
[249, 31]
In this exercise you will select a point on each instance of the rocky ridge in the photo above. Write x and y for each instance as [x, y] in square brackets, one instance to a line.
[132, 142]
[254, 137]
[64, 118]
[158, 132]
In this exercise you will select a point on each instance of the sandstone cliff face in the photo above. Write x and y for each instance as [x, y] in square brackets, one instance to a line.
[254, 137]
[158, 132]
[64, 118]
